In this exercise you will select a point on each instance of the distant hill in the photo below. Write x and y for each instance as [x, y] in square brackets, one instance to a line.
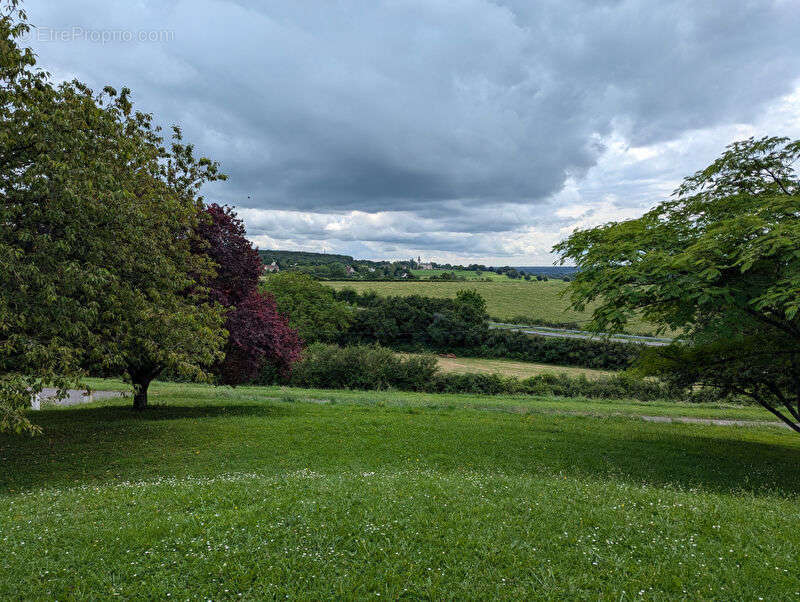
[285, 258]
[551, 271]
[331, 266]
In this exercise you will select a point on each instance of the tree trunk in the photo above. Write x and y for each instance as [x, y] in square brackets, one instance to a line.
[140, 394]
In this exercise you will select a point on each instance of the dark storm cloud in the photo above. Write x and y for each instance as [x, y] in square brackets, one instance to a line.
[436, 109]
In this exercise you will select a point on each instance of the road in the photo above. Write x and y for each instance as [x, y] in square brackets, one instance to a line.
[566, 333]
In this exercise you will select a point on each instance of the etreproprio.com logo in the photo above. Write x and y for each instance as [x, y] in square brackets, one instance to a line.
[98, 36]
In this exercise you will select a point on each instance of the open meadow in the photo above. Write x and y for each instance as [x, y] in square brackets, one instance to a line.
[255, 493]
[505, 299]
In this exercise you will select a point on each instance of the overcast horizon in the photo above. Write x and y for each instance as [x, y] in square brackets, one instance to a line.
[461, 132]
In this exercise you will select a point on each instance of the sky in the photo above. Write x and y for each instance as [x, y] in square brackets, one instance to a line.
[463, 131]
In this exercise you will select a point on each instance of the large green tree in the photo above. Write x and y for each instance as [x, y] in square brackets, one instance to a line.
[719, 263]
[95, 224]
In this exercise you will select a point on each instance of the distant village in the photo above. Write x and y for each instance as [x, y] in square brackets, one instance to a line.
[324, 266]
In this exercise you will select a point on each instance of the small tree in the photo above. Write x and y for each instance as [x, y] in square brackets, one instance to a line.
[719, 263]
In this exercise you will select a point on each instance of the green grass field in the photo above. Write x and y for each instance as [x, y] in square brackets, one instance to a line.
[504, 300]
[265, 493]
[468, 274]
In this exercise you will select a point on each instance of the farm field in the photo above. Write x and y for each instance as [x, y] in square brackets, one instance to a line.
[470, 365]
[468, 274]
[254, 493]
[505, 300]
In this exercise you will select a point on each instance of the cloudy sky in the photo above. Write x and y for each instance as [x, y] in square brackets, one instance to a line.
[459, 130]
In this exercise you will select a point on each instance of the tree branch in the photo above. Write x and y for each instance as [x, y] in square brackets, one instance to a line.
[777, 181]
[779, 395]
[792, 425]
[783, 326]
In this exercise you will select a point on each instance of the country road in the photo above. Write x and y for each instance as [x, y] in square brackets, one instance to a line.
[565, 333]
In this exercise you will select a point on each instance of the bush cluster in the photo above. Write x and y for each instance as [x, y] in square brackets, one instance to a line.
[528, 321]
[310, 305]
[361, 367]
[587, 353]
[460, 326]
[618, 386]
[416, 321]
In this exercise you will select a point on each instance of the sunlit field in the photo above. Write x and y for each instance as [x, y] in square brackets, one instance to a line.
[468, 274]
[474, 365]
[255, 493]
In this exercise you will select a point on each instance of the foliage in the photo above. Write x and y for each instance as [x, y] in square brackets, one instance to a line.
[458, 275]
[257, 333]
[311, 307]
[372, 367]
[720, 262]
[420, 321]
[504, 299]
[286, 259]
[459, 325]
[361, 367]
[221, 236]
[617, 386]
[452, 276]
[337, 267]
[528, 321]
[589, 353]
[259, 336]
[94, 252]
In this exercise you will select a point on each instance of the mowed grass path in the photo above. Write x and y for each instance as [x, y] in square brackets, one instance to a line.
[254, 493]
[504, 299]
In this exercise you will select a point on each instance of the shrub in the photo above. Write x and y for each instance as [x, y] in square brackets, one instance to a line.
[621, 386]
[588, 353]
[528, 321]
[361, 367]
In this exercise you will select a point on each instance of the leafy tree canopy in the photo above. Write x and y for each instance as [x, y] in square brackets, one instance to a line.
[310, 305]
[95, 226]
[719, 262]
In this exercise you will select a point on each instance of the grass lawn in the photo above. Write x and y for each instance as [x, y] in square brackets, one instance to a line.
[505, 300]
[260, 493]
[470, 365]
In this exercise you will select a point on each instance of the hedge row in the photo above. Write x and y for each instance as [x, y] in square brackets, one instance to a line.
[460, 326]
[375, 368]
[587, 353]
